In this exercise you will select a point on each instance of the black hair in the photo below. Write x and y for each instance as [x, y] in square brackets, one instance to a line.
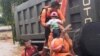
[25, 40]
[55, 4]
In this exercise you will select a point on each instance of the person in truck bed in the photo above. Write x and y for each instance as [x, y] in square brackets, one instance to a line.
[45, 17]
[61, 45]
[29, 49]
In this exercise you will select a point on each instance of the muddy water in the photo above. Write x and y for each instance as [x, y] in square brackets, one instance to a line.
[7, 48]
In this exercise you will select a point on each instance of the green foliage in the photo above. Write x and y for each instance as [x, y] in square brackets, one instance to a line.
[6, 8]
[0, 9]
[7, 14]
[2, 21]
[8, 18]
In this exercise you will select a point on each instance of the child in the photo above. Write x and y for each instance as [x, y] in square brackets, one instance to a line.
[54, 23]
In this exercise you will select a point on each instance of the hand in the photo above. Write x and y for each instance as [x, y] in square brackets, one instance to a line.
[63, 21]
[67, 28]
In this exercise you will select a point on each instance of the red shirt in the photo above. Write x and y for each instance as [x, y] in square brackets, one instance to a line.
[29, 51]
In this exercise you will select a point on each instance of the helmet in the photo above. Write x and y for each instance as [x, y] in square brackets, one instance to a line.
[54, 14]
[59, 45]
[56, 44]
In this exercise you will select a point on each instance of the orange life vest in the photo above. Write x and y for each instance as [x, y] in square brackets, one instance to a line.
[46, 13]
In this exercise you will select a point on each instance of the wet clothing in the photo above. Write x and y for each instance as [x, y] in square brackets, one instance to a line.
[29, 51]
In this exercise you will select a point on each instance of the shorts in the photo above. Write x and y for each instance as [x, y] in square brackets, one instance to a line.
[56, 33]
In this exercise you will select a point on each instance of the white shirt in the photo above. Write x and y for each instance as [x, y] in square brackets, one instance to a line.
[53, 23]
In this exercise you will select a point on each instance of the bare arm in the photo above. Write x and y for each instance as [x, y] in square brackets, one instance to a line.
[66, 36]
[43, 17]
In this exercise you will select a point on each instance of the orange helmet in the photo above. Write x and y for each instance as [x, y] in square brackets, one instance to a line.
[60, 45]
[56, 44]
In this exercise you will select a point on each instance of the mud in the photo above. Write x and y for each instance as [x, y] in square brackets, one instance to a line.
[7, 48]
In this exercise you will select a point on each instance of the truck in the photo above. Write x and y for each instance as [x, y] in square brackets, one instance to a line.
[77, 12]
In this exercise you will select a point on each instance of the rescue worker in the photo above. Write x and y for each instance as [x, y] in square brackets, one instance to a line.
[29, 50]
[62, 46]
[45, 17]
[53, 23]
[56, 40]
